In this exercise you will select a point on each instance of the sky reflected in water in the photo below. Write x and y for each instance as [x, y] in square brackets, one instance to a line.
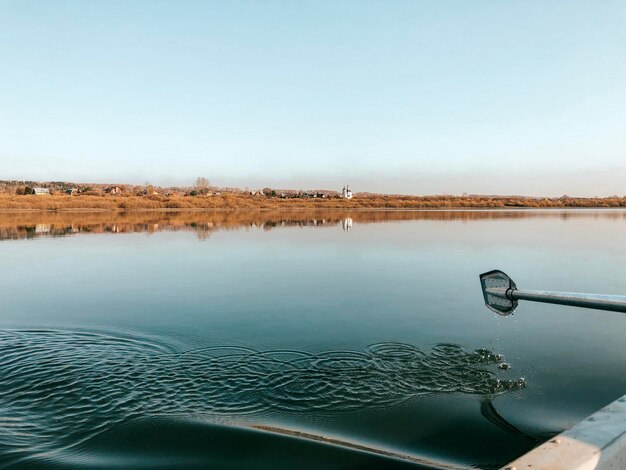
[366, 327]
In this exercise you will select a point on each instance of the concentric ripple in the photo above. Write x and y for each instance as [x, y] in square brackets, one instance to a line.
[58, 388]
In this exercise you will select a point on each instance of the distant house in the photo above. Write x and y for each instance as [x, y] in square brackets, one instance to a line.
[71, 191]
[41, 191]
[113, 190]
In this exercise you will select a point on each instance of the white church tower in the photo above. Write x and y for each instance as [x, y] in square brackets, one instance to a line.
[346, 192]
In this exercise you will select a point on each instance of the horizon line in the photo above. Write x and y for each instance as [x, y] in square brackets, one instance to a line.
[19, 182]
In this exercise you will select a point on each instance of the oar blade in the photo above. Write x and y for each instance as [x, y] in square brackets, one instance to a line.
[495, 285]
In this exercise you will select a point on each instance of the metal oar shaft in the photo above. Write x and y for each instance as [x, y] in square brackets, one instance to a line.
[501, 296]
[613, 303]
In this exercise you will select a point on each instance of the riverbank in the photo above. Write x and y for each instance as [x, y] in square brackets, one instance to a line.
[243, 201]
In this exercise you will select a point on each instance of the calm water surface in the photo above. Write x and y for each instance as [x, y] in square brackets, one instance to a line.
[299, 339]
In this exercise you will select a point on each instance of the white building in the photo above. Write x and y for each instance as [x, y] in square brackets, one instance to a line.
[346, 192]
[41, 191]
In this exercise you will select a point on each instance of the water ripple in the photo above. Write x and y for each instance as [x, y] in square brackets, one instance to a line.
[58, 388]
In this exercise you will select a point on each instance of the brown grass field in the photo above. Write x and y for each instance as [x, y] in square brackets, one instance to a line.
[243, 201]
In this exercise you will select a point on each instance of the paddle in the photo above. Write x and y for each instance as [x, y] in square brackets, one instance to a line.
[501, 296]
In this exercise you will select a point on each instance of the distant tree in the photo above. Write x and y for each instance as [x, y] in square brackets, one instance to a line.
[29, 190]
[268, 192]
[21, 190]
[202, 185]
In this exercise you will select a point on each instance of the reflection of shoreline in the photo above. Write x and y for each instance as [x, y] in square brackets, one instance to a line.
[24, 225]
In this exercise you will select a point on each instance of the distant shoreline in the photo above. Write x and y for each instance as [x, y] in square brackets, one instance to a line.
[122, 203]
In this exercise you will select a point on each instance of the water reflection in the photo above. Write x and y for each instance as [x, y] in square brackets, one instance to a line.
[25, 225]
[489, 411]
[274, 285]
[62, 387]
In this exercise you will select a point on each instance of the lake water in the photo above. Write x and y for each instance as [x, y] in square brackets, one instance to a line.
[330, 339]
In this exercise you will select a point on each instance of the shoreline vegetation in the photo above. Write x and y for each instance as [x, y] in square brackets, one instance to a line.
[67, 196]
[232, 200]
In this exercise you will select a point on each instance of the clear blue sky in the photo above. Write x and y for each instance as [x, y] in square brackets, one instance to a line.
[518, 97]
